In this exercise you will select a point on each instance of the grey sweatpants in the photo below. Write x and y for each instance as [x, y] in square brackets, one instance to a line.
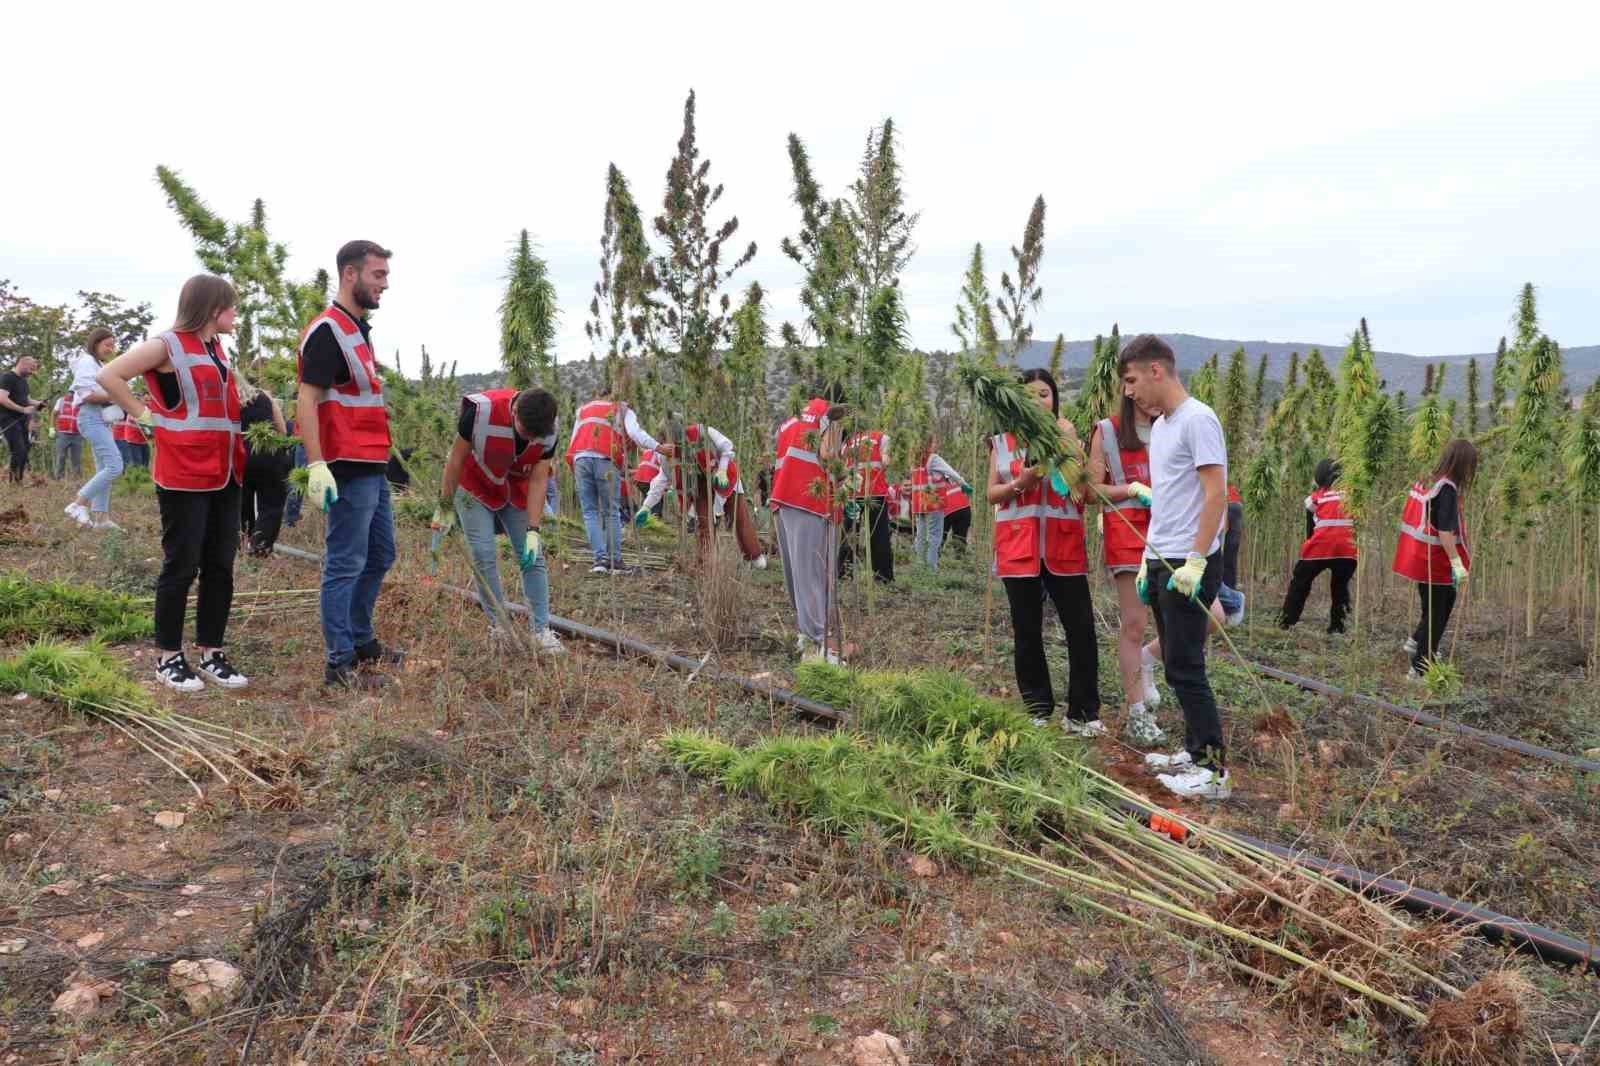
[809, 544]
[68, 445]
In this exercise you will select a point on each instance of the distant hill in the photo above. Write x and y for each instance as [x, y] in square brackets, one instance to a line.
[1400, 370]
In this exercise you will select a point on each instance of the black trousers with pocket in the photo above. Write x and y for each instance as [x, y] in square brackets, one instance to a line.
[1306, 572]
[1026, 596]
[199, 536]
[1183, 625]
[1437, 603]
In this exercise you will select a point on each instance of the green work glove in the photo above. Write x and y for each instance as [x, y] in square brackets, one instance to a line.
[443, 520]
[1185, 581]
[1058, 484]
[531, 550]
[852, 509]
[641, 518]
[1141, 583]
[1139, 491]
[321, 488]
[1458, 572]
[966, 488]
[720, 479]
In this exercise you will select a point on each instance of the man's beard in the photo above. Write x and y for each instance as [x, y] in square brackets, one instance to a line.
[364, 298]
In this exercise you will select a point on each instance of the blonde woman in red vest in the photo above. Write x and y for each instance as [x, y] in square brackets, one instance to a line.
[1433, 547]
[1119, 461]
[192, 405]
[1330, 545]
[1040, 550]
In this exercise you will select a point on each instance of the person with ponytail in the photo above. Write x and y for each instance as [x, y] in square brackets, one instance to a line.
[1119, 461]
[1433, 547]
[1330, 545]
[193, 408]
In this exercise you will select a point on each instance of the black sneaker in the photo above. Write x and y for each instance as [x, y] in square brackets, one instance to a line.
[345, 675]
[374, 653]
[216, 669]
[176, 675]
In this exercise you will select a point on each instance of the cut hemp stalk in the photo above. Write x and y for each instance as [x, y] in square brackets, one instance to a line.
[970, 779]
[88, 681]
[31, 609]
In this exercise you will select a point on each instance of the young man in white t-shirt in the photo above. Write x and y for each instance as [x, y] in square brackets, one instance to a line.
[1182, 567]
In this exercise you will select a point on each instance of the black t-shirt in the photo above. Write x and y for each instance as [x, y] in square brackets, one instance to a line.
[1444, 512]
[16, 386]
[323, 364]
[257, 410]
[167, 380]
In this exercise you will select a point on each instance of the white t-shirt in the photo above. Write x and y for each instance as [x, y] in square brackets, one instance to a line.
[1180, 443]
[84, 368]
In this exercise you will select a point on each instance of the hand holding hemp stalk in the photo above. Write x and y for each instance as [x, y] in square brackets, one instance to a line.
[1052, 442]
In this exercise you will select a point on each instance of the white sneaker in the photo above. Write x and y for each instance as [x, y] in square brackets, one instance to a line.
[1041, 722]
[1141, 728]
[104, 522]
[1410, 646]
[1086, 730]
[1198, 782]
[1147, 674]
[216, 669]
[545, 642]
[760, 563]
[815, 654]
[176, 675]
[79, 514]
[1233, 618]
[1179, 760]
[600, 568]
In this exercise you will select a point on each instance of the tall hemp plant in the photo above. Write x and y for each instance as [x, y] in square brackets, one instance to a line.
[529, 318]
[1528, 490]
[619, 306]
[1019, 298]
[1582, 455]
[273, 308]
[1364, 430]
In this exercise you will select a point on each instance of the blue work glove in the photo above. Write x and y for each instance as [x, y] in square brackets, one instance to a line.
[531, 550]
[966, 488]
[321, 488]
[641, 518]
[1058, 484]
[1141, 583]
[1185, 580]
[1139, 491]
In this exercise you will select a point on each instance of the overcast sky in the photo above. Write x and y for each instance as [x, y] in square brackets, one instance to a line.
[1234, 170]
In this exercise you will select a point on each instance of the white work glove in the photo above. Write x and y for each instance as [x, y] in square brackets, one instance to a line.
[321, 488]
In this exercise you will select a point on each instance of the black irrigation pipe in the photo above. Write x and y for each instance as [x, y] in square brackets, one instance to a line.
[1547, 945]
[620, 644]
[1433, 721]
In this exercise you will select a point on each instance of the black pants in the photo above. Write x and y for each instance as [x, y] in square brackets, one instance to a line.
[1182, 625]
[1071, 595]
[1230, 546]
[879, 545]
[1437, 603]
[1306, 572]
[957, 524]
[199, 535]
[266, 492]
[16, 434]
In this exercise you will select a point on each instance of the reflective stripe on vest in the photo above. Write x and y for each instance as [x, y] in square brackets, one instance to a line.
[482, 429]
[191, 421]
[1112, 447]
[368, 393]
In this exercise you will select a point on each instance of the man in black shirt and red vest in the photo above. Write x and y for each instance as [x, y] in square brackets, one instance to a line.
[345, 429]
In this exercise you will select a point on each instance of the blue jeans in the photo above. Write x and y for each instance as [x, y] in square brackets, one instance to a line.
[477, 524]
[1231, 599]
[107, 461]
[929, 538]
[599, 488]
[359, 551]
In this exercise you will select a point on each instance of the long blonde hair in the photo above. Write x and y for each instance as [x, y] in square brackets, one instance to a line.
[202, 297]
[247, 391]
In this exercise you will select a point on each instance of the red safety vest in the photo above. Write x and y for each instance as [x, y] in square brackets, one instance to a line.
[954, 499]
[1233, 494]
[199, 445]
[1419, 555]
[495, 473]
[892, 500]
[596, 431]
[649, 466]
[1333, 533]
[927, 490]
[864, 452]
[1121, 545]
[1039, 517]
[352, 422]
[799, 480]
[127, 430]
[706, 460]
[66, 415]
